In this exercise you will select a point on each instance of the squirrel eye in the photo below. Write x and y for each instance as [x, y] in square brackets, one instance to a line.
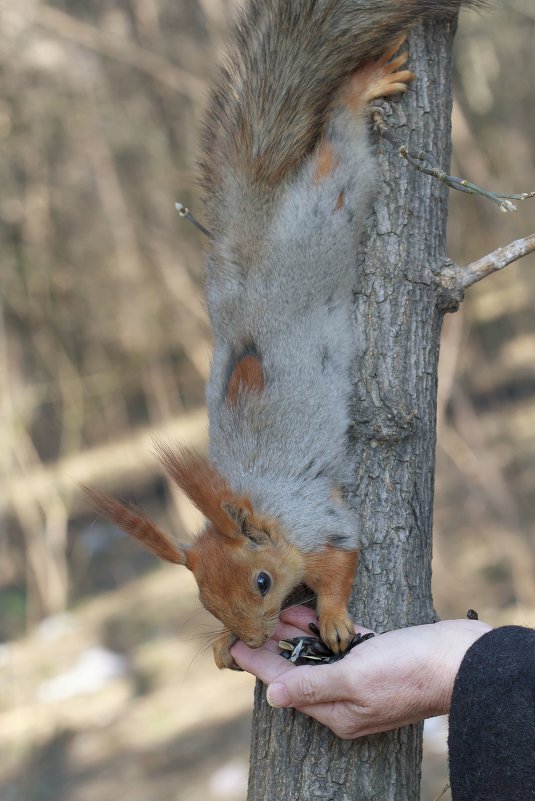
[263, 582]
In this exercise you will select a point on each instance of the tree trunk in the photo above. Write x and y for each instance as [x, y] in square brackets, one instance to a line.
[397, 328]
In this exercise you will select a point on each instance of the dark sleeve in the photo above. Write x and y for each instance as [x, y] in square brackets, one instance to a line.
[492, 719]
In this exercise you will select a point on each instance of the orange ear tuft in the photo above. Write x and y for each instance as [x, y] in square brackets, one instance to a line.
[135, 523]
[204, 485]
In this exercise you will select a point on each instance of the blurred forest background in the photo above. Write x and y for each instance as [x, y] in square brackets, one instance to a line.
[104, 344]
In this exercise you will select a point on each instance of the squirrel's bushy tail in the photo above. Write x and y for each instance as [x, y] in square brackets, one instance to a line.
[287, 59]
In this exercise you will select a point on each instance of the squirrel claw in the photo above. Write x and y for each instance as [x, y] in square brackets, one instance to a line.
[397, 43]
[376, 79]
[384, 79]
[337, 631]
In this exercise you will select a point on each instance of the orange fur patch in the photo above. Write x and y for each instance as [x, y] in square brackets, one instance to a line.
[330, 573]
[225, 572]
[133, 522]
[353, 95]
[340, 202]
[247, 376]
[326, 161]
[204, 485]
[216, 564]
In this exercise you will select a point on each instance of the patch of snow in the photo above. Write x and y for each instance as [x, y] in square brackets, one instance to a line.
[230, 781]
[53, 627]
[96, 667]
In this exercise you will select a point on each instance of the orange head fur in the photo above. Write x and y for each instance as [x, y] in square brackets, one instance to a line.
[244, 579]
[243, 564]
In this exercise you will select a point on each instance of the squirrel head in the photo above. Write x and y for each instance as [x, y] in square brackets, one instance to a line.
[245, 573]
[243, 564]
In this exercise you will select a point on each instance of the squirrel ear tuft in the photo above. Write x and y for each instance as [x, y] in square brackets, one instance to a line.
[238, 513]
[241, 513]
[203, 485]
[134, 522]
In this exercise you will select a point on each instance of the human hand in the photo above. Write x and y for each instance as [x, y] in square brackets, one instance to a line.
[388, 681]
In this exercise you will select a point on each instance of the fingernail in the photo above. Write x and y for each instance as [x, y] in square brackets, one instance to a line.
[277, 695]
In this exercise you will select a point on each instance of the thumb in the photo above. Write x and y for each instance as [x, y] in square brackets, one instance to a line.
[303, 687]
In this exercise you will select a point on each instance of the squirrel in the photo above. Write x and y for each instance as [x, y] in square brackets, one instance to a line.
[288, 174]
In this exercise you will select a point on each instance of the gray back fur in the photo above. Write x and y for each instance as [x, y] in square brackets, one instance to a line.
[281, 269]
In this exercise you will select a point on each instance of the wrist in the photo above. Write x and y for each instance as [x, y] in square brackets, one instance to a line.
[455, 638]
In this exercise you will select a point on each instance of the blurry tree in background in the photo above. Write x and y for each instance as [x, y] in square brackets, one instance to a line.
[103, 336]
[485, 497]
[103, 329]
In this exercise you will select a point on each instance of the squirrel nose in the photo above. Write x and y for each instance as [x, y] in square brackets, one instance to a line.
[255, 642]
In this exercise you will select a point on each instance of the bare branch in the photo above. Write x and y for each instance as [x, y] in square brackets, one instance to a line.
[420, 158]
[496, 260]
[444, 791]
[187, 215]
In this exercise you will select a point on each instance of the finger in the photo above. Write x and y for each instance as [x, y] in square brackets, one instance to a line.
[263, 663]
[301, 616]
[325, 713]
[270, 667]
[283, 631]
[359, 629]
[273, 643]
[286, 631]
[308, 686]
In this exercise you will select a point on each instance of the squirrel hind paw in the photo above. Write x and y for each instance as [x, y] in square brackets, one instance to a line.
[385, 79]
[395, 84]
[377, 79]
[396, 45]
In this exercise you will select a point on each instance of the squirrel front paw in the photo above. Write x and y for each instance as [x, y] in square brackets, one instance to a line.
[336, 630]
[221, 650]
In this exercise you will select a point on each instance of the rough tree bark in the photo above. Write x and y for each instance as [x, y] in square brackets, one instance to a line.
[398, 313]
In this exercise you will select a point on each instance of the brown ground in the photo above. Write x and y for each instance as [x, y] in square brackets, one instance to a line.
[162, 730]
